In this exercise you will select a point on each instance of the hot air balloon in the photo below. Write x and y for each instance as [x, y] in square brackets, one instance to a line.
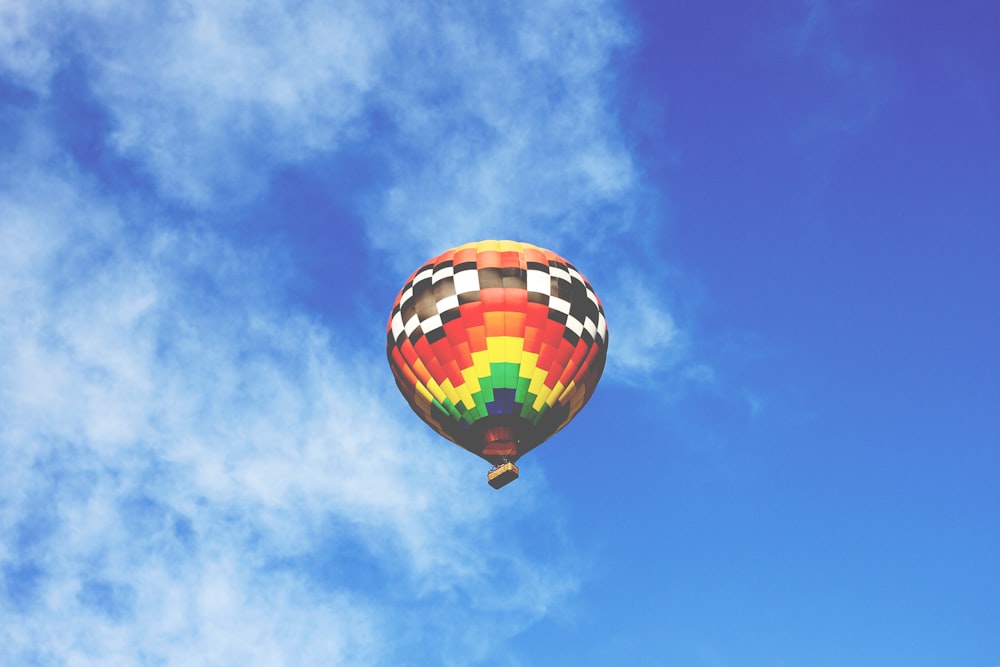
[497, 345]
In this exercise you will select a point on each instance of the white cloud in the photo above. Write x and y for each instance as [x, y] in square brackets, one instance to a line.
[498, 120]
[495, 121]
[508, 131]
[207, 97]
[25, 43]
[189, 468]
[181, 459]
[645, 337]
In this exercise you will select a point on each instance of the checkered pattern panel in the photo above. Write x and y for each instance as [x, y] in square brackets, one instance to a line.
[497, 330]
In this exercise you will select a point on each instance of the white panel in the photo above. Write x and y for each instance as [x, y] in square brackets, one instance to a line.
[447, 303]
[539, 281]
[466, 281]
[557, 272]
[555, 303]
[442, 273]
[431, 323]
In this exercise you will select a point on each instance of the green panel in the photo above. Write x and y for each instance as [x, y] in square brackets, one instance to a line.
[529, 412]
[447, 409]
[513, 375]
[522, 389]
[480, 401]
[438, 406]
[504, 375]
[451, 410]
[486, 391]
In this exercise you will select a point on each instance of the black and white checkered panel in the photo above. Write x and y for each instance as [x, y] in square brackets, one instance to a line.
[432, 298]
[573, 302]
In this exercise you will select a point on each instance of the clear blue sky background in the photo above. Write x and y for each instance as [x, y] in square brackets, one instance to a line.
[791, 210]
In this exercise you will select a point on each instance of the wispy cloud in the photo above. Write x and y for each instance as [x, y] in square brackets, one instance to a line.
[194, 471]
[488, 121]
[507, 131]
[183, 459]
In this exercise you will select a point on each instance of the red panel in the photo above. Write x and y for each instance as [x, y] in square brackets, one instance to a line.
[586, 374]
[454, 374]
[465, 255]
[443, 353]
[545, 358]
[477, 338]
[538, 315]
[455, 331]
[532, 339]
[562, 357]
[493, 298]
[553, 332]
[516, 305]
[488, 259]
[510, 259]
[463, 355]
[425, 353]
[406, 349]
[516, 299]
[535, 255]
[579, 354]
[471, 314]
[404, 368]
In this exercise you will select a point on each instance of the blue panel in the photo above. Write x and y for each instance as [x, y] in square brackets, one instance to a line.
[503, 402]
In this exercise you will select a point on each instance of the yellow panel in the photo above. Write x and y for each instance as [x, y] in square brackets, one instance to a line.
[504, 349]
[486, 246]
[538, 376]
[542, 396]
[471, 377]
[481, 363]
[466, 395]
[508, 246]
[555, 394]
[449, 391]
[528, 362]
[436, 391]
[514, 346]
[423, 392]
[497, 349]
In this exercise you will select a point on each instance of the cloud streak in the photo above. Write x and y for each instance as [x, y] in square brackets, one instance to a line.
[493, 121]
[194, 471]
[181, 458]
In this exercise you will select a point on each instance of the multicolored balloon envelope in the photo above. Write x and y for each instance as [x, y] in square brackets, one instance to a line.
[497, 345]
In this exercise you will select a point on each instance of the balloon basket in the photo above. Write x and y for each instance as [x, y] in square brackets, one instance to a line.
[502, 475]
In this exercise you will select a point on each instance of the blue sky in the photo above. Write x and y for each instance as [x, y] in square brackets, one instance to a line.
[791, 210]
